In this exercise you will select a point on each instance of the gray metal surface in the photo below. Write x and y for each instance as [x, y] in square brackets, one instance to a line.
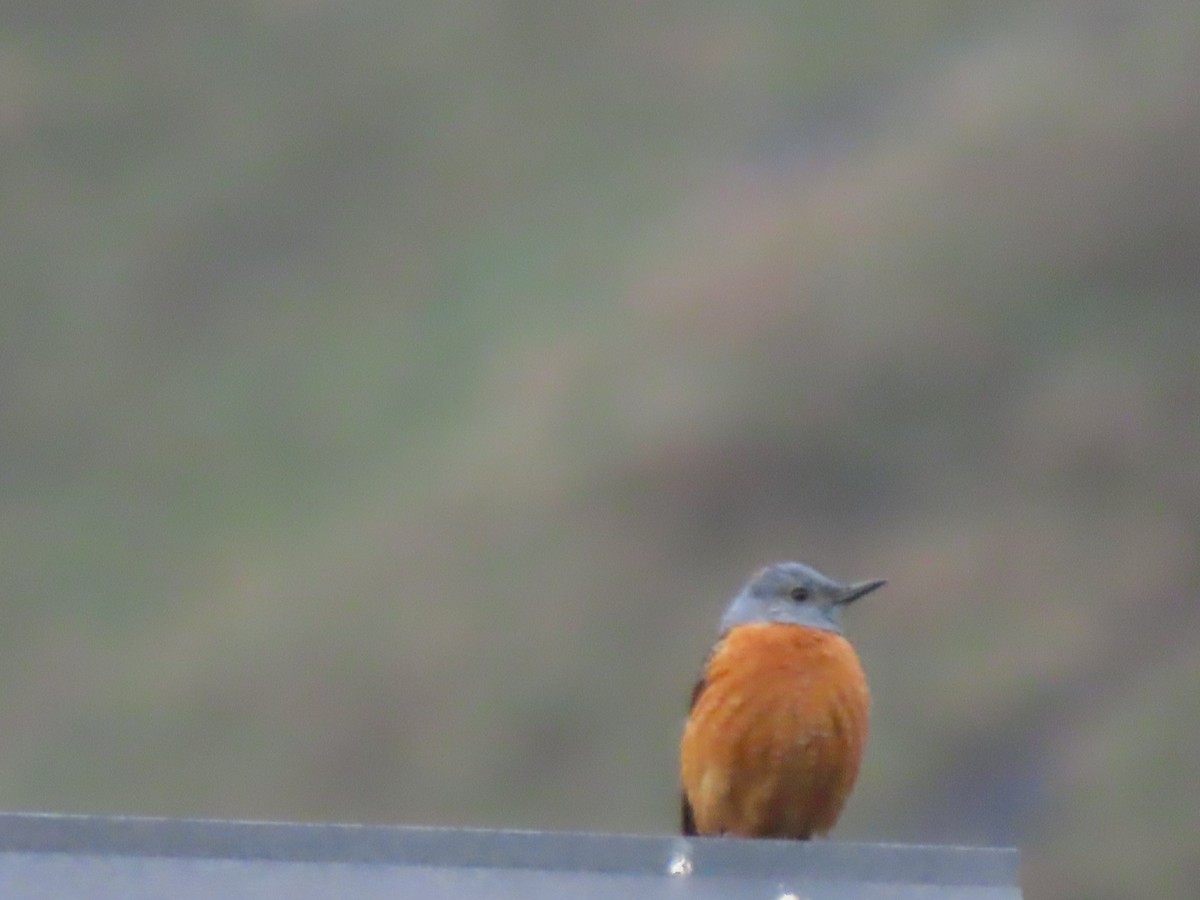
[92, 857]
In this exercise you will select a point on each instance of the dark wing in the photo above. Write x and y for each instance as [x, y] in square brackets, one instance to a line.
[688, 819]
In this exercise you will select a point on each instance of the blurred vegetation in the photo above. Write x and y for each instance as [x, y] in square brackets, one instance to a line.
[392, 395]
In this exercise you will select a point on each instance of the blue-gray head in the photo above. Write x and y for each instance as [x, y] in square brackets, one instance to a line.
[796, 594]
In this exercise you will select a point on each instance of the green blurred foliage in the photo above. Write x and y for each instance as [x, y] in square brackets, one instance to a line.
[392, 395]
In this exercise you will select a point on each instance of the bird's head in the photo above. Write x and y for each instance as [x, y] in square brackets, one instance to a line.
[794, 594]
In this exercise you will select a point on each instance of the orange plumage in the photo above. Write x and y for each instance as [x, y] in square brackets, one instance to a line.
[776, 734]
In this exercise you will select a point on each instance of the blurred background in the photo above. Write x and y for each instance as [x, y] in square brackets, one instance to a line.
[392, 395]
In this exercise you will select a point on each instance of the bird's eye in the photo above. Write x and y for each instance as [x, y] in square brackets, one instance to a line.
[799, 593]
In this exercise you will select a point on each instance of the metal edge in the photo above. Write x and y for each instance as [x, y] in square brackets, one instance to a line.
[456, 847]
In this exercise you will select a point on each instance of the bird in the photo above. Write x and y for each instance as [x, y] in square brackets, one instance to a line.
[778, 722]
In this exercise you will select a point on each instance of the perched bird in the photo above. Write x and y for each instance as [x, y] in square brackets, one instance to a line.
[778, 721]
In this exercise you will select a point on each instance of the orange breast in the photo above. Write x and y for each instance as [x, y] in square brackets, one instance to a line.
[774, 741]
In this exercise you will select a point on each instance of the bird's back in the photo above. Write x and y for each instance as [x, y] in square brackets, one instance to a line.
[776, 734]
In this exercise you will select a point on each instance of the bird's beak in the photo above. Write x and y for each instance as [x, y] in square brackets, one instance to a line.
[853, 591]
